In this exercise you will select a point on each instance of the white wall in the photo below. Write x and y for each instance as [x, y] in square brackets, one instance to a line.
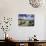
[11, 8]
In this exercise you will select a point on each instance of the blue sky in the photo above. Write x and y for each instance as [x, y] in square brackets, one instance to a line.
[26, 16]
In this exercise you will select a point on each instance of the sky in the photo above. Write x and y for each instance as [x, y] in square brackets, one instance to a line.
[26, 16]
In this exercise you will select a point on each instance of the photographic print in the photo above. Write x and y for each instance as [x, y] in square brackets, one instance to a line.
[26, 20]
